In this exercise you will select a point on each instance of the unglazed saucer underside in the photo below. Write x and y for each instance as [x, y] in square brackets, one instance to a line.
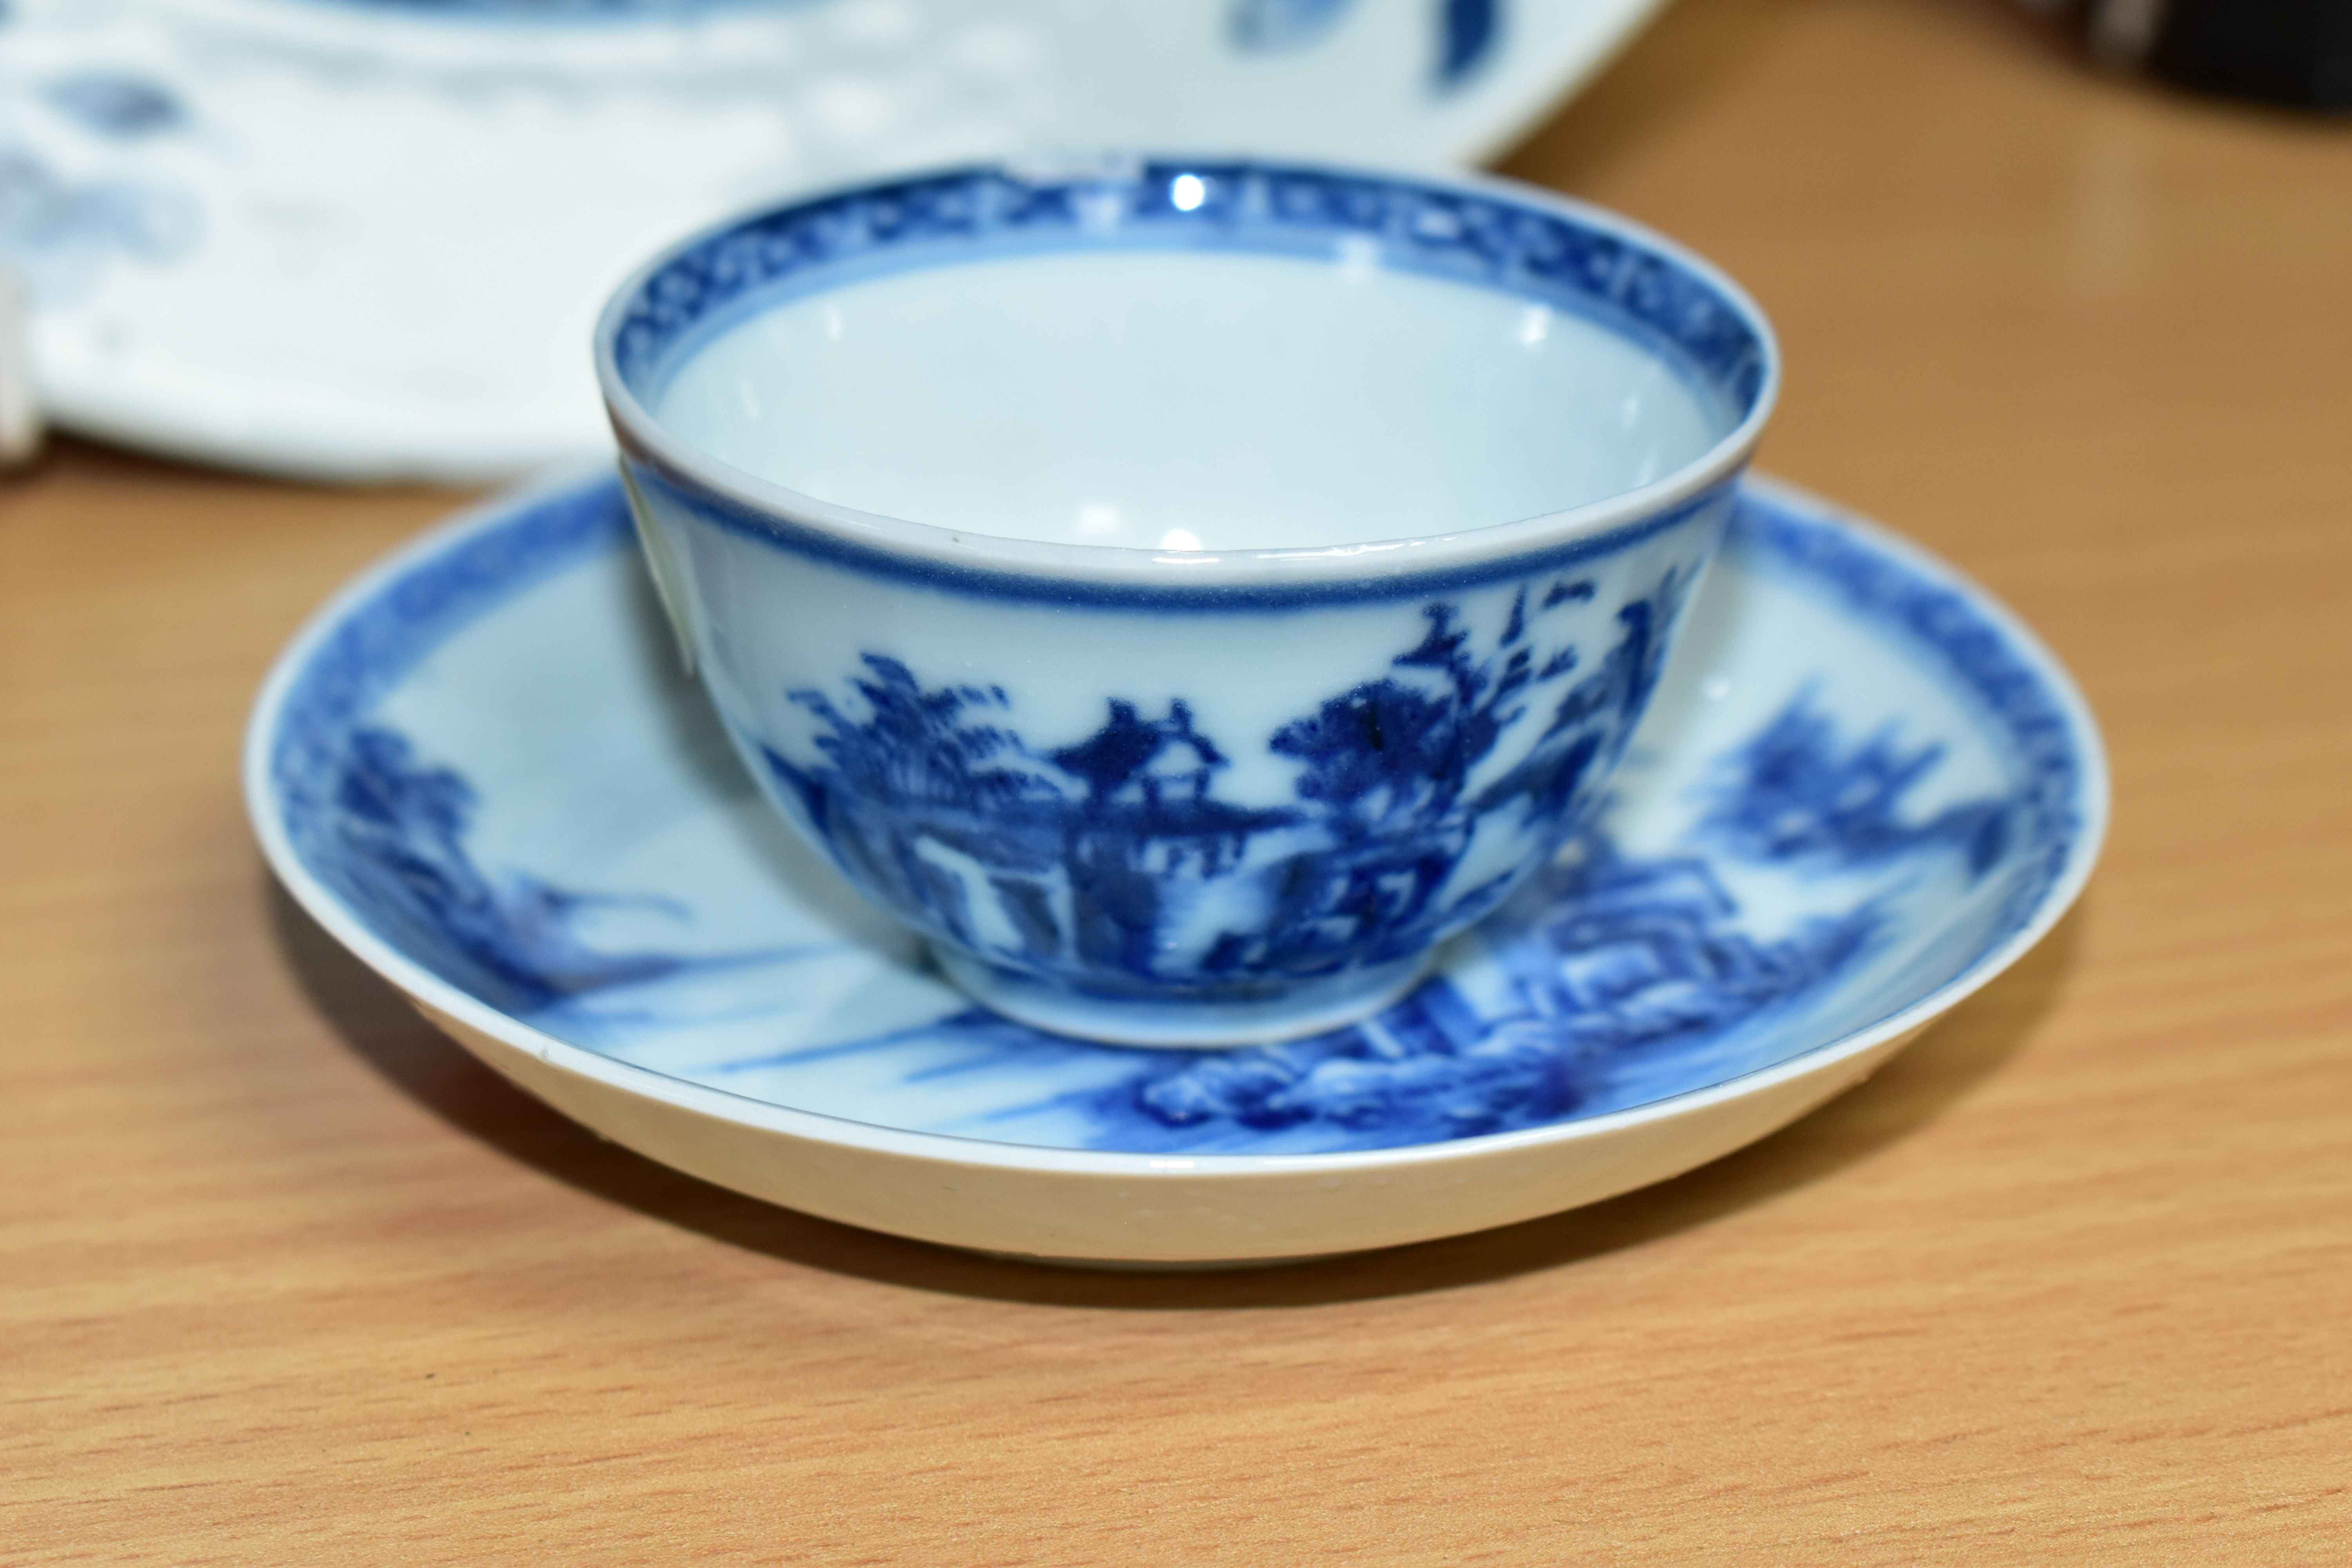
[1862, 791]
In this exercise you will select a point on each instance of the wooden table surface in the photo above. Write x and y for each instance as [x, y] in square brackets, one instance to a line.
[286, 1277]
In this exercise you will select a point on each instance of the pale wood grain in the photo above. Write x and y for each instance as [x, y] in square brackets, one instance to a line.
[286, 1277]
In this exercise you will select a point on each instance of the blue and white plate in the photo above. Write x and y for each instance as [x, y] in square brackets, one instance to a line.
[1863, 791]
[367, 238]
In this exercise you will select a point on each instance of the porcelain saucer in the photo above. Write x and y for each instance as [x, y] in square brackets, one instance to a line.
[366, 239]
[1863, 791]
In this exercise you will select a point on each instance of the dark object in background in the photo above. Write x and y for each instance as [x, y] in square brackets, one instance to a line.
[2295, 52]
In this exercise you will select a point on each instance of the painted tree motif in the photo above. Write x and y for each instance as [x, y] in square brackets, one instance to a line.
[1793, 794]
[917, 745]
[510, 939]
[1397, 751]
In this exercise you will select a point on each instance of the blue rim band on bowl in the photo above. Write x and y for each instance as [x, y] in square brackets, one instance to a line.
[1511, 239]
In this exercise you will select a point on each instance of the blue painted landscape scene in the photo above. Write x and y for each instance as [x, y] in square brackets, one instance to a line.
[1603, 962]
[1111, 864]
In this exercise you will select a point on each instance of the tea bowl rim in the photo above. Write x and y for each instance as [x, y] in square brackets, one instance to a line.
[789, 516]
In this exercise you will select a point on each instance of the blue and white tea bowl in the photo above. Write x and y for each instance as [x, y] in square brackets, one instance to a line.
[1183, 592]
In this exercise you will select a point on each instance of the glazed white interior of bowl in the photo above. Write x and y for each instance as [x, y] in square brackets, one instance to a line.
[1189, 399]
